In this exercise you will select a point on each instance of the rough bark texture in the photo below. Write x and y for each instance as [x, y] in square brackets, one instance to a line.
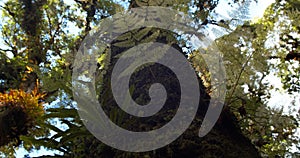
[225, 139]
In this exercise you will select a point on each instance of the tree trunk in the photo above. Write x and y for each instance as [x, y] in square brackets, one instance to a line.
[224, 140]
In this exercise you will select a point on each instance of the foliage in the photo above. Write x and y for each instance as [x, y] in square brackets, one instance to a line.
[249, 53]
[43, 47]
[20, 115]
[283, 21]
